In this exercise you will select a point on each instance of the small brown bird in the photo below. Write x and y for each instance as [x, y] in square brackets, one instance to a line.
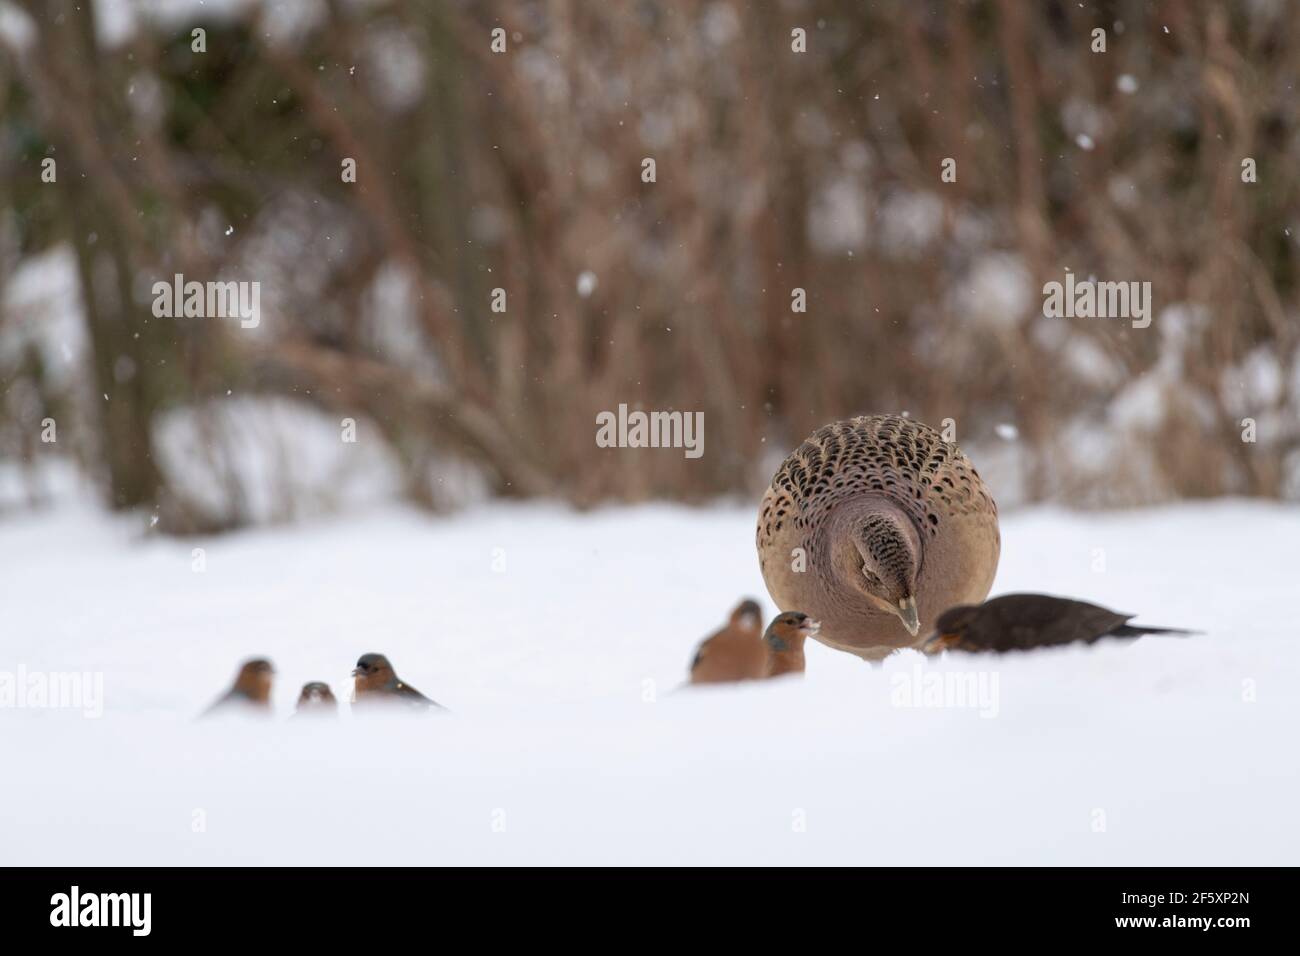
[785, 637]
[251, 692]
[378, 683]
[1018, 622]
[316, 700]
[734, 653]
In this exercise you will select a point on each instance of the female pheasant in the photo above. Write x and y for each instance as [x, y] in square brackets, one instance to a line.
[875, 526]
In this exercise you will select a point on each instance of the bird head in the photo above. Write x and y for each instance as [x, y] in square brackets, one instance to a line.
[316, 693]
[888, 559]
[790, 629]
[373, 670]
[748, 615]
[949, 628]
[255, 678]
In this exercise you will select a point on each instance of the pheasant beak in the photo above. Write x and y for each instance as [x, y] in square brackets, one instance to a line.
[907, 614]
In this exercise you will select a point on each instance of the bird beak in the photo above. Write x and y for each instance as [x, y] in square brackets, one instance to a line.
[356, 672]
[812, 626]
[938, 642]
[907, 614]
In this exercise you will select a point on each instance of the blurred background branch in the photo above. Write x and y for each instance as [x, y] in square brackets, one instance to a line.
[521, 171]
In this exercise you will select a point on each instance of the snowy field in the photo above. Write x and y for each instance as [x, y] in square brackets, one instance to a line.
[559, 654]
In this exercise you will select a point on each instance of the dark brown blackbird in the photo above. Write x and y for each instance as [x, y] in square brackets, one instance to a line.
[377, 683]
[1018, 622]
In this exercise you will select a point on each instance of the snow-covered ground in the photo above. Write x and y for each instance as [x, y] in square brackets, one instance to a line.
[558, 640]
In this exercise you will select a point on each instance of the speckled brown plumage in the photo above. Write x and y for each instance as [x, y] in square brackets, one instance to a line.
[880, 509]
